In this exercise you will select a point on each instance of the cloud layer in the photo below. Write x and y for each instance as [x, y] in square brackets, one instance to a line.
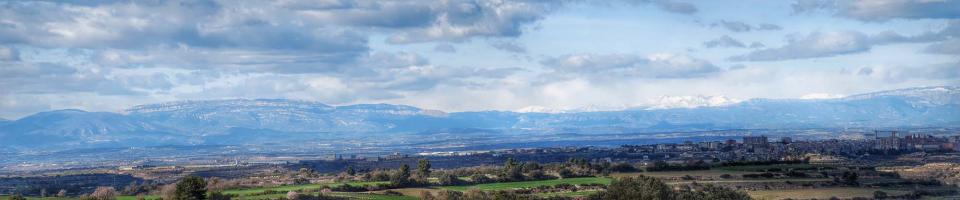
[463, 54]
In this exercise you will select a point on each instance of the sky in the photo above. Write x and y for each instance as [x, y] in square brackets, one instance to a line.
[466, 55]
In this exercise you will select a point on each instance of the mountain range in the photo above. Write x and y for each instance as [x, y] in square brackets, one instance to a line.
[256, 121]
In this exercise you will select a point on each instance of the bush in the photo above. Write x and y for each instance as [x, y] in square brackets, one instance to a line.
[480, 178]
[191, 188]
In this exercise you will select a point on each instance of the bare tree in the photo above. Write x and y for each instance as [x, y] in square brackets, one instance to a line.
[104, 193]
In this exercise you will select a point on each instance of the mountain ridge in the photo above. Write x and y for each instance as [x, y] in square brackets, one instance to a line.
[215, 121]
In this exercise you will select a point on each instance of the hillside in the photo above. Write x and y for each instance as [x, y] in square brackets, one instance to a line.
[259, 121]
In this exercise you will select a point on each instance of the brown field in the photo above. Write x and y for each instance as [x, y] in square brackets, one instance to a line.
[821, 193]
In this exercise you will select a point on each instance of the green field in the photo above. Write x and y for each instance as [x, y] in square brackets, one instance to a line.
[351, 195]
[530, 184]
[713, 173]
[248, 191]
[568, 194]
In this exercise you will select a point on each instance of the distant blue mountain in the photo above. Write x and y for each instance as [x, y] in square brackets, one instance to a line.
[271, 120]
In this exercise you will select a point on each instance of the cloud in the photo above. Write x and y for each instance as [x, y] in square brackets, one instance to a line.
[833, 43]
[631, 66]
[42, 78]
[723, 41]
[445, 48]
[9, 54]
[946, 71]
[676, 7]
[882, 10]
[737, 26]
[462, 20]
[814, 45]
[949, 47]
[512, 47]
[866, 71]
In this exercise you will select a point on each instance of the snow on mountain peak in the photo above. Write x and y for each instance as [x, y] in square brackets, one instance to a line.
[538, 109]
[668, 102]
[821, 96]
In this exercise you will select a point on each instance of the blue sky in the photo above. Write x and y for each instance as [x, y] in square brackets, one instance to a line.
[467, 55]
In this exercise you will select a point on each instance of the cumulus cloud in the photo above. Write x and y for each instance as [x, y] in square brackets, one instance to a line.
[897, 74]
[445, 48]
[814, 45]
[723, 41]
[512, 47]
[628, 65]
[737, 26]
[675, 7]
[9, 54]
[882, 10]
[833, 43]
[950, 47]
[461, 20]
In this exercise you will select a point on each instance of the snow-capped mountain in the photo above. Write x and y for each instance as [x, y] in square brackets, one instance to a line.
[923, 96]
[264, 121]
[539, 109]
[669, 102]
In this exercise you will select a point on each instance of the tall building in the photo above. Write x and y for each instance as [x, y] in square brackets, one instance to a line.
[891, 142]
[755, 141]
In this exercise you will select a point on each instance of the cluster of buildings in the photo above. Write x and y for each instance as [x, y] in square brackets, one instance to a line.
[761, 148]
[889, 140]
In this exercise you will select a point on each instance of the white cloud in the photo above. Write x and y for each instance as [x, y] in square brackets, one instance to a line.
[631, 66]
[883, 10]
[724, 41]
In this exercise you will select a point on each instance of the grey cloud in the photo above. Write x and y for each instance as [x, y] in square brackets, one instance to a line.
[772, 27]
[155, 81]
[941, 71]
[814, 45]
[827, 44]
[624, 65]
[512, 47]
[757, 45]
[9, 54]
[393, 60]
[949, 47]
[676, 7]
[461, 20]
[41, 78]
[723, 41]
[737, 26]
[446, 48]
[882, 10]
[865, 71]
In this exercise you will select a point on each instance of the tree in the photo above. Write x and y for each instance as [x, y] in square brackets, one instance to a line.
[16, 197]
[449, 179]
[306, 172]
[219, 196]
[350, 171]
[423, 168]
[168, 192]
[480, 178]
[636, 188]
[104, 193]
[714, 192]
[191, 188]
[511, 171]
[292, 195]
[879, 195]
[402, 177]
[850, 178]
